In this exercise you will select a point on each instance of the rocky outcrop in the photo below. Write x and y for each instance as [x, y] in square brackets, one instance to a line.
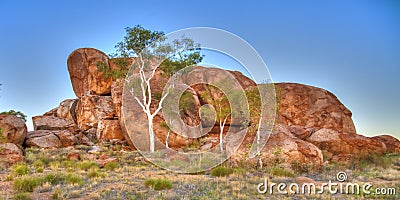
[392, 143]
[282, 148]
[109, 130]
[312, 107]
[42, 139]
[93, 108]
[52, 123]
[13, 129]
[86, 79]
[10, 154]
[345, 143]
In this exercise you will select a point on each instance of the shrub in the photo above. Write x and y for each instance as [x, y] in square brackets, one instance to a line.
[86, 165]
[158, 184]
[54, 178]
[221, 171]
[364, 161]
[26, 184]
[22, 196]
[20, 169]
[111, 166]
[277, 171]
[74, 179]
[94, 173]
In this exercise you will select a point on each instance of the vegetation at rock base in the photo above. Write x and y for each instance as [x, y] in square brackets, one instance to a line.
[136, 178]
[19, 114]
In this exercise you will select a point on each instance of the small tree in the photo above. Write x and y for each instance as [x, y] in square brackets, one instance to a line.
[149, 48]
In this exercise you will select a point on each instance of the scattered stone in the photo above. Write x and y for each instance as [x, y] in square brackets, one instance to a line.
[95, 150]
[73, 156]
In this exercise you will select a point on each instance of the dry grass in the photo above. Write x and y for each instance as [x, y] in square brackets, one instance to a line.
[49, 175]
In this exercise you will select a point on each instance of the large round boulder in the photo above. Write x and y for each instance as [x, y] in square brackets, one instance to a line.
[13, 129]
[312, 107]
[84, 74]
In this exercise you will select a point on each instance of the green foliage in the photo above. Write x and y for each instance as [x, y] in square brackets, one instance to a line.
[20, 169]
[86, 165]
[158, 184]
[221, 171]
[280, 172]
[365, 161]
[22, 196]
[73, 179]
[187, 103]
[19, 114]
[136, 39]
[54, 178]
[157, 95]
[94, 173]
[2, 138]
[111, 166]
[26, 184]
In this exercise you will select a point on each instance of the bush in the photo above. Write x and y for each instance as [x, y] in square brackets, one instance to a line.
[54, 178]
[22, 196]
[86, 165]
[111, 166]
[277, 171]
[221, 171]
[74, 179]
[364, 161]
[20, 169]
[26, 184]
[94, 173]
[158, 184]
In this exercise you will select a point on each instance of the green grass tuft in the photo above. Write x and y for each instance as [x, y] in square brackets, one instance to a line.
[158, 184]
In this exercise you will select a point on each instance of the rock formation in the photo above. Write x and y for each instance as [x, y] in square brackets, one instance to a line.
[310, 122]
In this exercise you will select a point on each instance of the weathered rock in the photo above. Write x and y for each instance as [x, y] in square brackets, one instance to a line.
[301, 132]
[85, 77]
[67, 109]
[13, 129]
[73, 156]
[42, 139]
[10, 154]
[108, 130]
[343, 143]
[312, 107]
[67, 139]
[104, 160]
[52, 123]
[116, 95]
[92, 108]
[392, 143]
[281, 148]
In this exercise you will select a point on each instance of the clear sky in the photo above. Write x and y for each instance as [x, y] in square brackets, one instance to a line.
[351, 48]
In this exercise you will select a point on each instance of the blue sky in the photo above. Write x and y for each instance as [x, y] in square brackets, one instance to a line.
[350, 48]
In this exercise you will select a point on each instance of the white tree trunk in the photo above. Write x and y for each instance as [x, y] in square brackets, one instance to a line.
[166, 140]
